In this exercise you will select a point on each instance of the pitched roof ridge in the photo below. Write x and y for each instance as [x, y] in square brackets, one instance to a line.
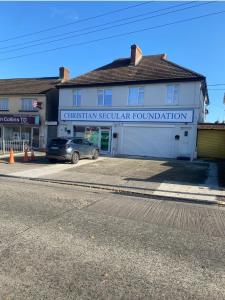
[120, 58]
[161, 55]
[150, 55]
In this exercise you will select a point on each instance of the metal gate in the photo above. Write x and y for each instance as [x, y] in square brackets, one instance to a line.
[16, 145]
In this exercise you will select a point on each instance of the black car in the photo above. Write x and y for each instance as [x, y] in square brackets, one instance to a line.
[70, 149]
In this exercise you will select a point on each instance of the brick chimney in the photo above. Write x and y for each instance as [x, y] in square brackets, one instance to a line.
[136, 55]
[64, 73]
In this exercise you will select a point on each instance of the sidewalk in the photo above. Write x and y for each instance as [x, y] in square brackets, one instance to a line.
[19, 164]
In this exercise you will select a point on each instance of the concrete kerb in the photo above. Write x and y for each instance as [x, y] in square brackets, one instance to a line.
[121, 191]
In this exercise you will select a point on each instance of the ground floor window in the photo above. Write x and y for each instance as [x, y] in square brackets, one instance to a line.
[17, 133]
[26, 133]
[93, 135]
[99, 136]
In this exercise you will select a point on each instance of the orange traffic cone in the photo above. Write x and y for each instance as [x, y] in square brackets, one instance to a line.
[11, 157]
[26, 158]
[32, 155]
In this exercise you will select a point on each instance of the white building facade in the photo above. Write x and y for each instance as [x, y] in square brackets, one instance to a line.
[154, 118]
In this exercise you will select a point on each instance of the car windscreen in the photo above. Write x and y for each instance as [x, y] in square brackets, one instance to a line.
[59, 142]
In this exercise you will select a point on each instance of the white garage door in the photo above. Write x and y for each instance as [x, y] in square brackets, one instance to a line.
[143, 141]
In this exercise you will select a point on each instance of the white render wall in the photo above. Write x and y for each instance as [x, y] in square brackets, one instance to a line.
[154, 96]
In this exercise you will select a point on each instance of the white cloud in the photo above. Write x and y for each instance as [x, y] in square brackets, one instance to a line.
[66, 13]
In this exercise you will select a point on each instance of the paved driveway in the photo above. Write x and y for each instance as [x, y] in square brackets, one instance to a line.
[142, 172]
[149, 170]
[138, 172]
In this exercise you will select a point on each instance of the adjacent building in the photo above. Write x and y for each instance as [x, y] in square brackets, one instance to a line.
[211, 141]
[140, 105]
[29, 109]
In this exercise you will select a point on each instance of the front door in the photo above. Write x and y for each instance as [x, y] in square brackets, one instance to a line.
[105, 140]
[184, 142]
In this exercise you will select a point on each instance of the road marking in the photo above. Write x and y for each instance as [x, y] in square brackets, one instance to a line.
[51, 169]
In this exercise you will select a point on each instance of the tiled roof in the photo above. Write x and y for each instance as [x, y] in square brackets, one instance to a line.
[154, 68]
[27, 86]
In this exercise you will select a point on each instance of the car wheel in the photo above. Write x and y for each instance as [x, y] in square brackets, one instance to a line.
[52, 160]
[75, 158]
[96, 154]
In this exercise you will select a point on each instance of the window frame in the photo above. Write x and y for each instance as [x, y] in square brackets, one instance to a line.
[176, 94]
[75, 94]
[138, 100]
[33, 109]
[6, 101]
[104, 96]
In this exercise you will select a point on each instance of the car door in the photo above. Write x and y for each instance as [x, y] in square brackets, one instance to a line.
[78, 146]
[88, 148]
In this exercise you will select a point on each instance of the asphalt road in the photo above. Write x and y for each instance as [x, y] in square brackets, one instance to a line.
[64, 242]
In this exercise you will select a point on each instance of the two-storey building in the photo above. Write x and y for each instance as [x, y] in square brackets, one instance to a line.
[29, 109]
[141, 105]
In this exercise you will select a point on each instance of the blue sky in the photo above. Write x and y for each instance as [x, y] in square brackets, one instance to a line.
[198, 45]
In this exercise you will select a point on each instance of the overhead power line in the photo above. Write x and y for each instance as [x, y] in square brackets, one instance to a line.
[114, 36]
[217, 89]
[100, 25]
[106, 28]
[216, 84]
[75, 22]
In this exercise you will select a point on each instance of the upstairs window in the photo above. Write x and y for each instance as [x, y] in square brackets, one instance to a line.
[136, 96]
[77, 98]
[172, 96]
[4, 104]
[27, 104]
[104, 97]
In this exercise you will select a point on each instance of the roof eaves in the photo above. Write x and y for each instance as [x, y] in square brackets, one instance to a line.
[117, 83]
